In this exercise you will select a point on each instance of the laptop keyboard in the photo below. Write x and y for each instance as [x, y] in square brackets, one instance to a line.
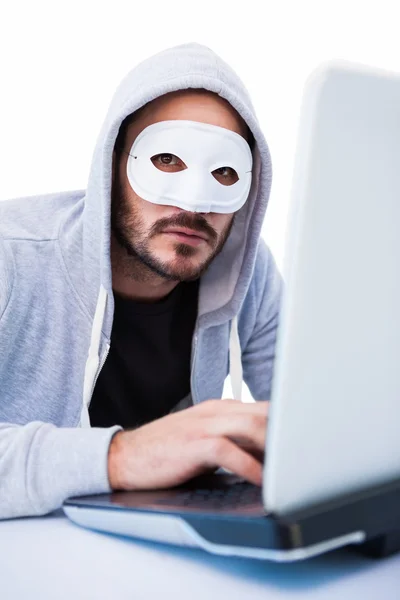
[232, 496]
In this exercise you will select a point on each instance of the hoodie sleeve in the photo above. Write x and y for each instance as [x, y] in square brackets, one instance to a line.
[41, 465]
[259, 352]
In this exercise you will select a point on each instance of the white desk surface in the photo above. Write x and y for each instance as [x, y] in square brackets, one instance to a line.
[50, 558]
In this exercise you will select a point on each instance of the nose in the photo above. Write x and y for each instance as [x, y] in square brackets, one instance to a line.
[177, 210]
[195, 189]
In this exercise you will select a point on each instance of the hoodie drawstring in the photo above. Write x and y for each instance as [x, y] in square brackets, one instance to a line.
[235, 361]
[93, 358]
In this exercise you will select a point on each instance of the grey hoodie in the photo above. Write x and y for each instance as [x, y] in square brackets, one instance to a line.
[56, 303]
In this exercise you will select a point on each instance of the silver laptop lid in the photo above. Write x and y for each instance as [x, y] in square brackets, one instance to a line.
[335, 410]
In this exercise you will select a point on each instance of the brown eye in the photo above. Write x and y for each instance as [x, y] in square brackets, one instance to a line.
[167, 159]
[170, 163]
[225, 175]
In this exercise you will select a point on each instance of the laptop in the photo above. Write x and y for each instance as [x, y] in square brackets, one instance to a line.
[332, 468]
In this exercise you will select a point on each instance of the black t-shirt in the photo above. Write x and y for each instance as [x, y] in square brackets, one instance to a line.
[147, 371]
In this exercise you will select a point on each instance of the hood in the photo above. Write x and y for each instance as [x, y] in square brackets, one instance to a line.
[224, 285]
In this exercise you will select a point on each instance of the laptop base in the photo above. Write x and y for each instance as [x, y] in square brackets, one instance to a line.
[381, 546]
[369, 519]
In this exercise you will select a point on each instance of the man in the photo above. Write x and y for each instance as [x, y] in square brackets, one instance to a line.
[124, 304]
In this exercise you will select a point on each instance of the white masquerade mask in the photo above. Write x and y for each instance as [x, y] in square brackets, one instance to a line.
[204, 185]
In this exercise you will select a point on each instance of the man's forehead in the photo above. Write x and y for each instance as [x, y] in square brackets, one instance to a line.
[191, 105]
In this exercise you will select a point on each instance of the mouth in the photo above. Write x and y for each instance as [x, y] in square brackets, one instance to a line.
[185, 235]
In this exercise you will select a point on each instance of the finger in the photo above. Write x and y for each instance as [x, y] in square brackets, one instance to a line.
[258, 454]
[227, 405]
[224, 453]
[247, 428]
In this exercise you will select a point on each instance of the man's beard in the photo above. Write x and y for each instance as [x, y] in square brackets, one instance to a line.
[130, 233]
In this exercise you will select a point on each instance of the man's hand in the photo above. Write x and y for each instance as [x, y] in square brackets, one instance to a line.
[171, 450]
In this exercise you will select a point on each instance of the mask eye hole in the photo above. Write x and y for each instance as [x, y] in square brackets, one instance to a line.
[167, 162]
[225, 175]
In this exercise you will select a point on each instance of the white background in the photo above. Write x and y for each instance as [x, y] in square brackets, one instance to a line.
[61, 61]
